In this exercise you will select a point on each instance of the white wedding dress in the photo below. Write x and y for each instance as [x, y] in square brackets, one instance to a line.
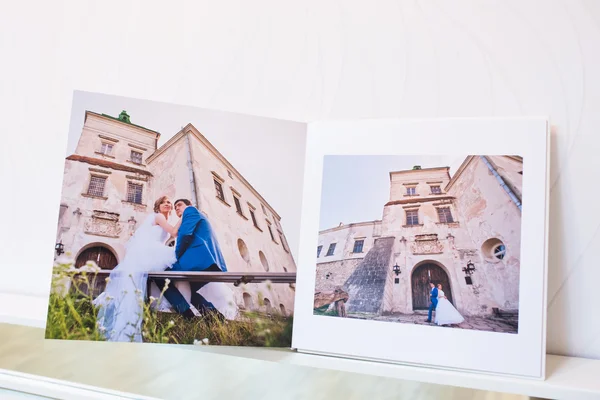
[445, 313]
[121, 304]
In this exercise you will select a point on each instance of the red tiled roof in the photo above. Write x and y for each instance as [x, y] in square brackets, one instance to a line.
[107, 164]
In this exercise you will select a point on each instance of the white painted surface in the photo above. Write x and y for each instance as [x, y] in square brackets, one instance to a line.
[568, 378]
[305, 61]
[37, 387]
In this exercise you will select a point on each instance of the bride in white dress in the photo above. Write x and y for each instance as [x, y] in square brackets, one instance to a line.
[121, 304]
[445, 313]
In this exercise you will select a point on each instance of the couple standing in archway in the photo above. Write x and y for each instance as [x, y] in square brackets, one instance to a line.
[445, 313]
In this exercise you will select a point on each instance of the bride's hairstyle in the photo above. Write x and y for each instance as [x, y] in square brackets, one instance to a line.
[158, 202]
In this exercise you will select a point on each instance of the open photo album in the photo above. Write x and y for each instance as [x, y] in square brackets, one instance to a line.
[420, 242]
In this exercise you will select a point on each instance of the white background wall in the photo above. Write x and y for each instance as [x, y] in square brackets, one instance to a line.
[310, 60]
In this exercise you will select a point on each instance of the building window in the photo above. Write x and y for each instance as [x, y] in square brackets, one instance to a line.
[358, 246]
[330, 250]
[319, 248]
[412, 217]
[238, 205]
[134, 192]
[494, 250]
[411, 190]
[436, 190]
[106, 149]
[500, 251]
[136, 157]
[271, 232]
[219, 190]
[254, 218]
[96, 187]
[283, 242]
[445, 215]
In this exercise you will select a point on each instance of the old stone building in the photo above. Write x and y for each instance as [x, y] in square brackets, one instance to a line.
[462, 231]
[117, 172]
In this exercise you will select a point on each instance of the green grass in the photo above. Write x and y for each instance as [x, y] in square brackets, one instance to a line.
[323, 311]
[72, 316]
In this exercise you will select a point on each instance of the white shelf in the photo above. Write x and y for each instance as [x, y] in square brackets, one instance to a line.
[566, 377]
[36, 386]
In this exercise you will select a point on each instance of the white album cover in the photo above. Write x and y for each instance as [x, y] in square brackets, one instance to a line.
[425, 243]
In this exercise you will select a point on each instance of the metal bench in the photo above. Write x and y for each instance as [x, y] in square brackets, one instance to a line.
[236, 278]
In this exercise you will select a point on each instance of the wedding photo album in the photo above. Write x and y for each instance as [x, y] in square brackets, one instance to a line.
[424, 242]
[172, 226]
[418, 242]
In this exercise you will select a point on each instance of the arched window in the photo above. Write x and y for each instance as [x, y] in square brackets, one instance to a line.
[248, 304]
[243, 249]
[268, 305]
[263, 260]
[494, 250]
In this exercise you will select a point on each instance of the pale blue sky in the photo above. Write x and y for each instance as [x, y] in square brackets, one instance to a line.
[355, 187]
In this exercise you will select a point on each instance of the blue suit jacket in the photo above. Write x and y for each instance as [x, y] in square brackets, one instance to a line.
[197, 247]
[434, 294]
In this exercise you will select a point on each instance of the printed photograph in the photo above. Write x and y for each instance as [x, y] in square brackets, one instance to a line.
[428, 240]
[171, 225]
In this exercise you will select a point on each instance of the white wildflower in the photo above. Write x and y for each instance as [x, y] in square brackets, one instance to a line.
[171, 323]
[107, 279]
[152, 299]
[205, 341]
[197, 342]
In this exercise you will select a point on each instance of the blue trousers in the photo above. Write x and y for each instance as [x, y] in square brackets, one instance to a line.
[174, 296]
[432, 307]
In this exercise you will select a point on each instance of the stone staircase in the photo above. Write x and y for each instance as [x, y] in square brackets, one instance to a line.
[511, 317]
[366, 285]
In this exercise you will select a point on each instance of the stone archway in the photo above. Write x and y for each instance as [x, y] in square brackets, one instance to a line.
[104, 257]
[420, 278]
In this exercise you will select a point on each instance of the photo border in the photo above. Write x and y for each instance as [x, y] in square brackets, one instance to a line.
[522, 354]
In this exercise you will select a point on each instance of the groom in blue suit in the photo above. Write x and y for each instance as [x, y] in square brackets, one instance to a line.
[197, 249]
[434, 300]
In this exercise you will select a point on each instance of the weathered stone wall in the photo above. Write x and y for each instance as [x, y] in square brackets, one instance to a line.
[335, 274]
[421, 180]
[366, 285]
[344, 237]
[244, 246]
[490, 215]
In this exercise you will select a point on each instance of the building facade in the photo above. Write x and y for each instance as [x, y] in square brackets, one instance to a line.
[117, 172]
[462, 231]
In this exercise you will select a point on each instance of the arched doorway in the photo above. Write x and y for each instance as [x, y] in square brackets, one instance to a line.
[104, 258]
[421, 276]
[101, 255]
